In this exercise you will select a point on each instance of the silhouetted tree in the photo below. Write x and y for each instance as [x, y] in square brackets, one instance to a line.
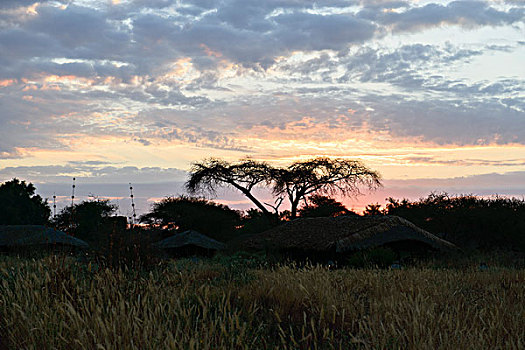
[86, 220]
[321, 176]
[295, 182]
[255, 221]
[245, 175]
[467, 220]
[19, 205]
[212, 219]
[323, 206]
[373, 209]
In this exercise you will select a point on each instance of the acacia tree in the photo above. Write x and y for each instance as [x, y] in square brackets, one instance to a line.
[315, 176]
[245, 175]
[322, 176]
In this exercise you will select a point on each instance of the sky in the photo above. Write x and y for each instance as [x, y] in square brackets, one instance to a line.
[429, 93]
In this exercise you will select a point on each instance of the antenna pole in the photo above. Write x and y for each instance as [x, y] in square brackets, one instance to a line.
[72, 212]
[132, 205]
[73, 193]
[54, 205]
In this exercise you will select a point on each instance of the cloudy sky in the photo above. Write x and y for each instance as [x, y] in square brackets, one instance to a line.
[429, 93]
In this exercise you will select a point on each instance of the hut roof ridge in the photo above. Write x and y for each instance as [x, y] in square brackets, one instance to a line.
[28, 235]
[343, 233]
[190, 237]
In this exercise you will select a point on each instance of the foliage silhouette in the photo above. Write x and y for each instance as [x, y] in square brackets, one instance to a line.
[184, 213]
[255, 221]
[87, 220]
[323, 206]
[19, 205]
[244, 175]
[294, 183]
[322, 176]
[373, 209]
[466, 220]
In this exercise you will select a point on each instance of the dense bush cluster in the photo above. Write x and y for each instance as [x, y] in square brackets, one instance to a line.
[468, 221]
[183, 213]
[87, 220]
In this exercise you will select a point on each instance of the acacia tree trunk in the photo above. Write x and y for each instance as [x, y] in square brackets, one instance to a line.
[257, 203]
[294, 203]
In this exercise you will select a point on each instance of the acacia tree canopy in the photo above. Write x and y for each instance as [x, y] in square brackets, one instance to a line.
[245, 175]
[315, 176]
[322, 176]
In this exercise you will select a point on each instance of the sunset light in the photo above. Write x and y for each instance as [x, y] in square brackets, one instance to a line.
[419, 91]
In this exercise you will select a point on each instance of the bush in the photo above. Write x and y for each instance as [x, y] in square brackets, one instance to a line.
[87, 220]
[323, 206]
[255, 221]
[467, 221]
[214, 220]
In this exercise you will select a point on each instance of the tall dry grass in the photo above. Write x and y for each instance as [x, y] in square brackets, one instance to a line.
[55, 304]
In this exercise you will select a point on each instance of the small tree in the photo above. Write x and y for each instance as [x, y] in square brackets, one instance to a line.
[87, 219]
[323, 206]
[255, 221]
[322, 176]
[19, 205]
[184, 213]
[373, 210]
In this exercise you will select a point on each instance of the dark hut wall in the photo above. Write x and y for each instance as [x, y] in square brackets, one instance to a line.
[189, 251]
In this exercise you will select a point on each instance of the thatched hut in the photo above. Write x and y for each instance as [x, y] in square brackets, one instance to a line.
[328, 236]
[22, 236]
[189, 243]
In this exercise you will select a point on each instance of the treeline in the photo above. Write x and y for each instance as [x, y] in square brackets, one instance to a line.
[468, 221]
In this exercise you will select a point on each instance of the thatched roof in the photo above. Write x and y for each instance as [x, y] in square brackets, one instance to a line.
[188, 238]
[343, 233]
[31, 235]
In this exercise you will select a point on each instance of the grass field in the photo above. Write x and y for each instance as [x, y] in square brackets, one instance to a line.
[56, 303]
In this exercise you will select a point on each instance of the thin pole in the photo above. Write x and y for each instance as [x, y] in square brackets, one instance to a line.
[73, 193]
[72, 213]
[132, 204]
[54, 205]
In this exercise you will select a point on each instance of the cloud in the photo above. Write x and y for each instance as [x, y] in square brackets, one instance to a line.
[95, 172]
[506, 184]
[465, 162]
[304, 31]
[222, 74]
[7, 4]
[463, 13]
[449, 122]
